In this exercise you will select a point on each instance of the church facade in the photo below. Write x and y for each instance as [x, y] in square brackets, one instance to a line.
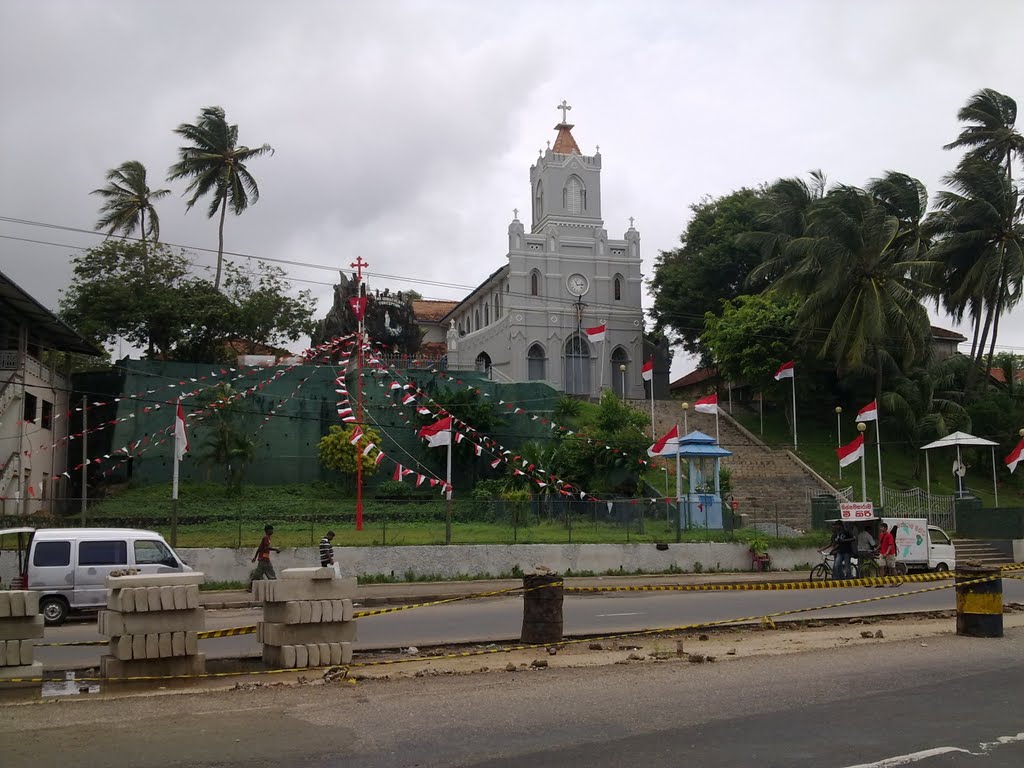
[528, 320]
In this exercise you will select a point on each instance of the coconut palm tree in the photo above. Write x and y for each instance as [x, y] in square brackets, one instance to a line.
[991, 133]
[128, 201]
[215, 163]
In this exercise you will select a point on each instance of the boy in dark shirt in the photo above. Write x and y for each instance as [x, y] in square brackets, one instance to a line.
[264, 569]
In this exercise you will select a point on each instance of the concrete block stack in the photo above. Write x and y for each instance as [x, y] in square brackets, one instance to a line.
[20, 626]
[153, 623]
[307, 618]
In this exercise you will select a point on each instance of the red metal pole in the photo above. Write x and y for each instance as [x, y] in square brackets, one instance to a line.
[359, 264]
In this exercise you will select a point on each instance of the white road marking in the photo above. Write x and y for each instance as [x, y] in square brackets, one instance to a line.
[986, 746]
[606, 615]
[913, 757]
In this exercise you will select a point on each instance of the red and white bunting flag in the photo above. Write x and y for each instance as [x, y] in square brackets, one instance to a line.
[851, 452]
[707, 404]
[180, 437]
[369, 447]
[398, 473]
[419, 480]
[433, 482]
[596, 333]
[438, 433]
[423, 411]
[785, 371]
[1014, 457]
[495, 463]
[357, 433]
[408, 399]
[459, 437]
[666, 446]
[869, 412]
[479, 449]
[395, 385]
[647, 371]
[380, 457]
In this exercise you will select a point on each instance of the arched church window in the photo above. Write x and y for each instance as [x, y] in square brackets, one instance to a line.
[534, 284]
[538, 202]
[535, 363]
[574, 196]
[618, 288]
[476, 319]
[487, 314]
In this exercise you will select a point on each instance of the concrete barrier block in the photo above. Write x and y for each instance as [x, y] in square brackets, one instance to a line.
[139, 599]
[261, 590]
[121, 647]
[155, 579]
[17, 604]
[301, 656]
[157, 621]
[3, 654]
[346, 653]
[348, 610]
[114, 600]
[279, 656]
[191, 644]
[326, 611]
[335, 652]
[165, 645]
[167, 598]
[31, 603]
[22, 628]
[180, 597]
[5, 605]
[313, 655]
[315, 608]
[191, 596]
[283, 590]
[152, 646]
[182, 666]
[318, 573]
[302, 634]
[27, 648]
[27, 671]
[305, 611]
[177, 643]
[259, 633]
[283, 613]
[325, 653]
[154, 598]
[138, 646]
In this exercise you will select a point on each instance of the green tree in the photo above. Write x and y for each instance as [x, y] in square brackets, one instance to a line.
[226, 443]
[991, 133]
[216, 165]
[753, 335]
[263, 312]
[338, 452]
[128, 200]
[711, 265]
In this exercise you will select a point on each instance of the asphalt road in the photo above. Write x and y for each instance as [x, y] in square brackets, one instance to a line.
[500, 619]
[952, 702]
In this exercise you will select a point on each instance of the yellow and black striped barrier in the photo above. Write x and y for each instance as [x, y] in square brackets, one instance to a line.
[979, 601]
[771, 586]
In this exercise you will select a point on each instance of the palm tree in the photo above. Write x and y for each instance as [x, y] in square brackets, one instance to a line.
[215, 163]
[128, 200]
[991, 134]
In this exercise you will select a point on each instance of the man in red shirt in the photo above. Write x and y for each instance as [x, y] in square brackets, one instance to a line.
[887, 550]
[264, 569]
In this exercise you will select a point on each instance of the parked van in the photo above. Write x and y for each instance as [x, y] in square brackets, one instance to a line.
[69, 566]
[921, 546]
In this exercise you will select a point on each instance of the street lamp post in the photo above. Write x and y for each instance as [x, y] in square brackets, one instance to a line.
[839, 435]
[861, 426]
[622, 377]
[686, 428]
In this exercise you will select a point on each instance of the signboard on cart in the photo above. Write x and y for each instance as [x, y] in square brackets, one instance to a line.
[856, 510]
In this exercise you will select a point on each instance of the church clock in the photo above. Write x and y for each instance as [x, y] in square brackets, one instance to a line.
[577, 284]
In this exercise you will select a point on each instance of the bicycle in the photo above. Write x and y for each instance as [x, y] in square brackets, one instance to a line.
[864, 568]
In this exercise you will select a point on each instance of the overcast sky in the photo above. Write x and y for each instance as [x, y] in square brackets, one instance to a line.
[404, 132]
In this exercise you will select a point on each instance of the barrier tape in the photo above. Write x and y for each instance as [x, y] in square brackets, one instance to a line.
[772, 586]
[765, 620]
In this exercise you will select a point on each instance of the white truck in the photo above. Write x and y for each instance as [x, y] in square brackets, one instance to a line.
[920, 546]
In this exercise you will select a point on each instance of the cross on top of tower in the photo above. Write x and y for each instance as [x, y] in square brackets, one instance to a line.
[358, 265]
[564, 106]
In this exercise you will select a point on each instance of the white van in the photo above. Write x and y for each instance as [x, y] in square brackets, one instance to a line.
[69, 566]
[920, 546]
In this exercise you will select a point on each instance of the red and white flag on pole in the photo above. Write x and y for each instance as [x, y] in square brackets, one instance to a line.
[850, 452]
[596, 333]
[647, 372]
[785, 371]
[707, 404]
[668, 445]
[869, 412]
[1014, 457]
[180, 437]
[438, 433]
[356, 436]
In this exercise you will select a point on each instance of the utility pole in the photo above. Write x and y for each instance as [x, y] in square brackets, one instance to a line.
[85, 459]
[359, 307]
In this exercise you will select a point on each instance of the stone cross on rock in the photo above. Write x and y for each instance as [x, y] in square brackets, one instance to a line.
[565, 108]
[630, 222]
[515, 213]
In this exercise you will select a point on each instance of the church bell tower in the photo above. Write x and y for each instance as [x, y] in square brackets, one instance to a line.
[565, 183]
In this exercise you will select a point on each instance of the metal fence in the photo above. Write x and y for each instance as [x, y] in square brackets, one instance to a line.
[939, 510]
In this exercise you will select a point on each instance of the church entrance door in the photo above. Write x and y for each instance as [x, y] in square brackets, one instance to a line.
[577, 367]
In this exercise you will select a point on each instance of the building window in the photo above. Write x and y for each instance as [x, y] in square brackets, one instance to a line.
[574, 196]
[538, 203]
[476, 319]
[487, 314]
[618, 288]
[46, 417]
[30, 408]
[535, 363]
[534, 284]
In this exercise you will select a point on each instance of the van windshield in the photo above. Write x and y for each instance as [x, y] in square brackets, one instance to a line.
[153, 552]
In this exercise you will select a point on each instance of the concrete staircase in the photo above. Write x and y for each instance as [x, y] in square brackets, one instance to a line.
[769, 484]
[983, 552]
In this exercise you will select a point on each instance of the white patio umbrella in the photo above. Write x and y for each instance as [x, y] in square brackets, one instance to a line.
[956, 440]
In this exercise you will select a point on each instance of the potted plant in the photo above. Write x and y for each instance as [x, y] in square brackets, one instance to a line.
[759, 558]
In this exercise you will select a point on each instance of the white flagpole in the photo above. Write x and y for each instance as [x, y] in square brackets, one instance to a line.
[679, 481]
[793, 380]
[878, 449]
[604, 364]
[995, 489]
[654, 437]
[174, 482]
[863, 473]
[717, 440]
[448, 490]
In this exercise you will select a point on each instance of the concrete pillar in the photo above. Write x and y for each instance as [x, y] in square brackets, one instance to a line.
[979, 606]
[542, 608]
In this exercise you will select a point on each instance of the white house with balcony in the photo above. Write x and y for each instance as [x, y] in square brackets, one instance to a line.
[527, 321]
[34, 402]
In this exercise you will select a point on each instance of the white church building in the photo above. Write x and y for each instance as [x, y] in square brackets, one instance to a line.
[528, 320]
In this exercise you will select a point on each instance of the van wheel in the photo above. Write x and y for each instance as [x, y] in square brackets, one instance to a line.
[54, 610]
[941, 567]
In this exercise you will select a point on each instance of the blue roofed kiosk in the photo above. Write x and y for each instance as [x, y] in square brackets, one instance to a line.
[702, 505]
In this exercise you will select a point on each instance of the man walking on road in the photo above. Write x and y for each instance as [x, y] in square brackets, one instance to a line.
[264, 569]
[887, 550]
[327, 550]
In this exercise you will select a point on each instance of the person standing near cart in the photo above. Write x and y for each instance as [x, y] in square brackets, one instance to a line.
[887, 550]
[842, 547]
[327, 550]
